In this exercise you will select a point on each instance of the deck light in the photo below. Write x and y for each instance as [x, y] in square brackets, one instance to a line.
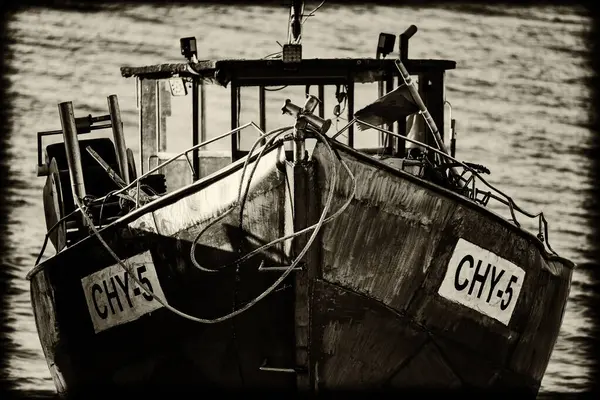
[292, 53]
[188, 48]
[386, 44]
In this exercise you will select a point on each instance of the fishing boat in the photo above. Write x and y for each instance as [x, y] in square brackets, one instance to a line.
[304, 262]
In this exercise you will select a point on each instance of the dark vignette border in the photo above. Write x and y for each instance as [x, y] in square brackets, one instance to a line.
[592, 203]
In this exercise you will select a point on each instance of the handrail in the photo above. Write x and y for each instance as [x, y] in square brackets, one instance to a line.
[542, 236]
[471, 192]
[136, 182]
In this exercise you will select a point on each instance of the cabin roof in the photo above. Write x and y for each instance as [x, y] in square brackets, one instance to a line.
[276, 72]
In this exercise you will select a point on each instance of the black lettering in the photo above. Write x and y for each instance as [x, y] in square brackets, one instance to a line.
[112, 295]
[101, 314]
[125, 287]
[477, 277]
[460, 286]
[145, 281]
[503, 305]
[495, 280]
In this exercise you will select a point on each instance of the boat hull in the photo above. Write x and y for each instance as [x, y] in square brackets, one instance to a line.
[372, 308]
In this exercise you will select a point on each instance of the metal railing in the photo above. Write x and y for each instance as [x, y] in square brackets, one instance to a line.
[468, 187]
[184, 153]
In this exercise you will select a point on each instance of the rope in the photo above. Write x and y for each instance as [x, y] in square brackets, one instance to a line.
[277, 133]
[317, 227]
[332, 153]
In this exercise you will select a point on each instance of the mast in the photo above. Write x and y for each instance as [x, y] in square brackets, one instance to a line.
[296, 21]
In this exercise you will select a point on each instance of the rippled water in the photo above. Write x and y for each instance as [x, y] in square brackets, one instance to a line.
[519, 94]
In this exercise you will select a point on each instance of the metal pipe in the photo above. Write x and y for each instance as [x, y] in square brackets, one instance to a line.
[382, 137]
[389, 141]
[417, 98]
[350, 105]
[67, 121]
[453, 138]
[234, 120]
[404, 37]
[195, 130]
[322, 103]
[262, 122]
[424, 112]
[299, 145]
[202, 111]
[118, 135]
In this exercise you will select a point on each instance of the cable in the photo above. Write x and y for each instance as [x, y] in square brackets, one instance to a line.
[312, 13]
[290, 236]
[316, 228]
[277, 133]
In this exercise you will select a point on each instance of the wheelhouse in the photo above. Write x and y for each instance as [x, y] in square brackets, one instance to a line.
[183, 105]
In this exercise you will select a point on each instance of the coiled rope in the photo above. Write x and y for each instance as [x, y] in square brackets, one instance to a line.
[316, 228]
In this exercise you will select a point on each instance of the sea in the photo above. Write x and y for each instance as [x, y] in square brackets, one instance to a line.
[520, 95]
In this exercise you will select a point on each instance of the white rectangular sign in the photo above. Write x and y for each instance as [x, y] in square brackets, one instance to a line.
[483, 281]
[114, 298]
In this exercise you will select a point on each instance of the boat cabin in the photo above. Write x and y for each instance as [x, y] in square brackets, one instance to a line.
[174, 101]
[185, 104]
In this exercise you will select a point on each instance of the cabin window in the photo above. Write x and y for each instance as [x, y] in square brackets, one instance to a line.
[174, 115]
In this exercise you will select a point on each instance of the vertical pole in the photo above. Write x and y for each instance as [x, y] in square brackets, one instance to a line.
[119, 136]
[299, 145]
[322, 103]
[303, 197]
[234, 120]
[148, 115]
[262, 110]
[453, 138]
[350, 95]
[202, 111]
[389, 86]
[431, 88]
[401, 130]
[382, 136]
[403, 50]
[67, 121]
[195, 129]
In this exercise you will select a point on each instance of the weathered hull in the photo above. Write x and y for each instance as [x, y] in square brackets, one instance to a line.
[391, 251]
[366, 311]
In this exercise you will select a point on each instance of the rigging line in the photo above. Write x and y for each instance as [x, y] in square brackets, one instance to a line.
[312, 13]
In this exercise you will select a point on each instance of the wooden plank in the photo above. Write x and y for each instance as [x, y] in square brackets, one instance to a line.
[148, 129]
[384, 242]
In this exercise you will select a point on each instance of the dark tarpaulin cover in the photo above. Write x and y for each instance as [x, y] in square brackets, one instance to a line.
[392, 107]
